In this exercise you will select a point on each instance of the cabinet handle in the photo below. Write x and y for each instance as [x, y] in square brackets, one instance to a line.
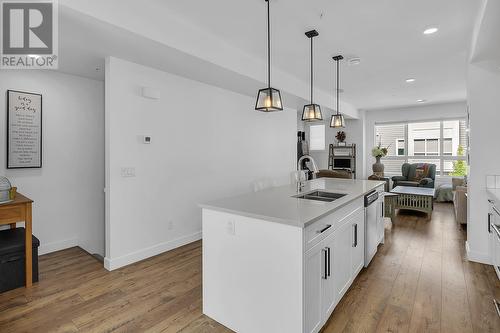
[355, 242]
[329, 260]
[324, 251]
[383, 212]
[489, 222]
[328, 226]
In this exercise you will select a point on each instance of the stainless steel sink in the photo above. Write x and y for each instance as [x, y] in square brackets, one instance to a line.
[320, 196]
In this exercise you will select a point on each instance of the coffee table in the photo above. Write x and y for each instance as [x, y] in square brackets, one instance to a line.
[412, 198]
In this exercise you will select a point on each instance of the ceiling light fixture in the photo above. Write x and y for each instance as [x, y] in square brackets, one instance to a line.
[421, 100]
[430, 31]
[354, 61]
[312, 112]
[268, 99]
[410, 80]
[337, 120]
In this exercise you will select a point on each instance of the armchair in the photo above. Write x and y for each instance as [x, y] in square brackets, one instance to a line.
[407, 178]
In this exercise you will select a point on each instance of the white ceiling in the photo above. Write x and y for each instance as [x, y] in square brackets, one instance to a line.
[385, 34]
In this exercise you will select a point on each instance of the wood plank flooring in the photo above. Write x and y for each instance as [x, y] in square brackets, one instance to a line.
[419, 281]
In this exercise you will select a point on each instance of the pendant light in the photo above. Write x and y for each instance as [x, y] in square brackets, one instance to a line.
[268, 99]
[312, 112]
[337, 120]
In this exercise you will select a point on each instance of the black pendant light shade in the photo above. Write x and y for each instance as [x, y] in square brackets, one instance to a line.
[268, 99]
[312, 112]
[337, 120]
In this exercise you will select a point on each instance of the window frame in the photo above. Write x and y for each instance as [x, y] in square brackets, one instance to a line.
[440, 158]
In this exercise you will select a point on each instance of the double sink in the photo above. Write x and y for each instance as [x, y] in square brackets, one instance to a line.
[320, 196]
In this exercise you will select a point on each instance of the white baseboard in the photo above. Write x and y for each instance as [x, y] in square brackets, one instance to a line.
[114, 263]
[57, 246]
[482, 258]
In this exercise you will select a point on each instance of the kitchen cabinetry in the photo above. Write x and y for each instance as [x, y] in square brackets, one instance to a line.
[314, 288]
[358, 245]
[494, 236]
[330, 268]
[286, 260]
[380, 216]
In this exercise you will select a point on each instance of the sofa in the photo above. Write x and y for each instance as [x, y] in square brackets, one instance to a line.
[460, 200]
[345, 174]
[408, 176]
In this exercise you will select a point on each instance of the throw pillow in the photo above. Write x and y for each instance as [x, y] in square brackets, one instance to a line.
[421, 172]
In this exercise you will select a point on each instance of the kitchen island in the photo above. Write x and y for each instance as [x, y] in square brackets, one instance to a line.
[273, 262]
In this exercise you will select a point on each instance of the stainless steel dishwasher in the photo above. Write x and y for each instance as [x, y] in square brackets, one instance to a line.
[371, 230]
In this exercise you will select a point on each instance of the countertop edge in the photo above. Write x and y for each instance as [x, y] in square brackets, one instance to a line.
[291, 223]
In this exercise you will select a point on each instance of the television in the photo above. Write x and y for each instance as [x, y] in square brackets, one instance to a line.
[342, 163]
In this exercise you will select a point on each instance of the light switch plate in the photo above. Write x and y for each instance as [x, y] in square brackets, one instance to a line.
[230, 227]
[128, 172]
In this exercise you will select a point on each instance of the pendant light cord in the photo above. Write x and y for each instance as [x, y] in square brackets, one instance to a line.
[338, 87]
[311, 70]
[268, 47]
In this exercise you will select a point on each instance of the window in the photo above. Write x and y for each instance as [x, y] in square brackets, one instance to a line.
[443, 143]
[426, 147]
[317, 137]
[387, 135]
[447, 147]
[419, 147]
[400, 145]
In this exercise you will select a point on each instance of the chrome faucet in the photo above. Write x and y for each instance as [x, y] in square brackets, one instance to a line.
[300, 185]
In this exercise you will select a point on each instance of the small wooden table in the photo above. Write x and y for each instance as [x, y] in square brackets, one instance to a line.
[412, 198]
[19, 210]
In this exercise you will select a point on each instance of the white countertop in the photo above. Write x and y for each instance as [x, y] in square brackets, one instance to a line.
[494, 194]
[278, 204]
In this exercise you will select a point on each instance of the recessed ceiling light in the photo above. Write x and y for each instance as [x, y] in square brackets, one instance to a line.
[354, 61]
[410, 80]
[430, 31]
[421, 100]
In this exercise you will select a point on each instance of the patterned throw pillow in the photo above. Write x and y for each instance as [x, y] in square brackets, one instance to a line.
[421, 172]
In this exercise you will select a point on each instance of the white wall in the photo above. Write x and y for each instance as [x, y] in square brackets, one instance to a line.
[206, 143]
[354, 134]
[417, 113]
[68, 196]
[483, 89]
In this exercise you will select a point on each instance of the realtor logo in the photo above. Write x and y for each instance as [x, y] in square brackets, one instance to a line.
[29, 34]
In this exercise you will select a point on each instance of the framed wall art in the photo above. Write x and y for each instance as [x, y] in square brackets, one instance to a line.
[24, 130]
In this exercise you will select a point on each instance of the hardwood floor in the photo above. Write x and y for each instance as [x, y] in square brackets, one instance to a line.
[419, 281]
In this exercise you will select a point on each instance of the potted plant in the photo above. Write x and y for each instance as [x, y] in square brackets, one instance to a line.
[340, 138]
[378, 152]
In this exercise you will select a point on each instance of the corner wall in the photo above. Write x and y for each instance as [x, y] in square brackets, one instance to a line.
[207, 143]
[68, 195]
[483, 89]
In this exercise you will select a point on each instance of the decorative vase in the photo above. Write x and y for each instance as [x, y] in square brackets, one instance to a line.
[378, 167]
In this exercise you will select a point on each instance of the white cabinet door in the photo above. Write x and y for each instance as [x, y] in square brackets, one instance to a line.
[342, 251]
[329, 294]
[313, 289]
[358, 241]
